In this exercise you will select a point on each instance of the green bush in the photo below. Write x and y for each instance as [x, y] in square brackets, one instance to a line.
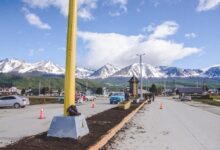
[201, 97]
[215, 97]
[208, 101]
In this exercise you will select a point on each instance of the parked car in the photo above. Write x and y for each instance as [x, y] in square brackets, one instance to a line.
[90, 97]
[60, 99]
[14, 101]
[78, 97]
[186, 98]
[117, 97]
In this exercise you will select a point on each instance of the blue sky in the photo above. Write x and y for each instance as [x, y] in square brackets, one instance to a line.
[171, 32]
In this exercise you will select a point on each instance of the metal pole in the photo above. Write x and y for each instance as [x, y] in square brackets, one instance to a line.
[39, 87]
[49, 87]
[69, 94]
[141, 80]
[165, 87]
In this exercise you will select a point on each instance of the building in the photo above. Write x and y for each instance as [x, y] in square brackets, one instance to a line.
[133, 86]
[189, 90]
[9, 91]
[143, 91]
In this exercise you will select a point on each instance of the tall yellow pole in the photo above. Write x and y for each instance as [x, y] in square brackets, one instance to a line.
[70, 57]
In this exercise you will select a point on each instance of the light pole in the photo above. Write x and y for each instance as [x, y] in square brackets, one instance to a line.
[39, 88]
[69, 126]
[165, 87]
[141, 80]
[69, 94]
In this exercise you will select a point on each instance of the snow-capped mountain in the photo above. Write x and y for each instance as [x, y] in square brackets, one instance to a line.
[212, 72]
[83, 73]
[179, 72]
[134, 69]
[108, 70]
[17, 66]
[8, 65]
[105, 71]
[47, 67]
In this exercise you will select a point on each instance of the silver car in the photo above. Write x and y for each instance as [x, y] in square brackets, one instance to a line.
[14, 101]
[186, 98]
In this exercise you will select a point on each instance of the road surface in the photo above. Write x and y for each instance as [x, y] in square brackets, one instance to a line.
[178, 126]
[18, 123]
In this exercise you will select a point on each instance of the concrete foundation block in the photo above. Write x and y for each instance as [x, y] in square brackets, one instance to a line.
[68, 127]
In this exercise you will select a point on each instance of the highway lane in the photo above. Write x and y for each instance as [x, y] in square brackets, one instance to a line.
[178, 126]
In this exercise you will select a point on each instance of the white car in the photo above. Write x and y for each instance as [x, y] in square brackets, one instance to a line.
[14, 101]
[90, 97]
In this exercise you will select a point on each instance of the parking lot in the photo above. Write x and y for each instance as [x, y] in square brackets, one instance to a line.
[18, 123]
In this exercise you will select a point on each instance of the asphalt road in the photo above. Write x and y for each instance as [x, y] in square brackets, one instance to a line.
[178, 126]
[18, 123]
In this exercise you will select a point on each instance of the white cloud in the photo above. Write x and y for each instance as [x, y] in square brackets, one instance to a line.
[155, 2]
[205, 5]
[85, 9]
[85, 14]
[190, 35]
[113, 14]
[149, 28]
[34, 20]
[120, 2]
[121, 50]
[84, 6]
[141, 4]
[122, 7]
[33, 52]
[165, 29]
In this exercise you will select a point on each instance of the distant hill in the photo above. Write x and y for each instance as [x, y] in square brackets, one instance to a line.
[54, 81]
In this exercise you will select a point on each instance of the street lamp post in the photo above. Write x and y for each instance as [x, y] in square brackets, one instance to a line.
[141, 80]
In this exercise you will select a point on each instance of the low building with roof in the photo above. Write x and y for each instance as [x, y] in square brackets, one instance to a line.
[189, 90]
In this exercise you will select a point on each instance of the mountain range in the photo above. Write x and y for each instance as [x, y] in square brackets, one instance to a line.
[108, 70]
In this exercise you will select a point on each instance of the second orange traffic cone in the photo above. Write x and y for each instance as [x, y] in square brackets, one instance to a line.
[42, 114]
[93, 104]
[161, 105]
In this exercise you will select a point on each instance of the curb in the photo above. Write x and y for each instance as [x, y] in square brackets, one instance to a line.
[105, 138]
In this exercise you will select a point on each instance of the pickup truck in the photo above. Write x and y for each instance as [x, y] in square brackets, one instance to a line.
[116, 97]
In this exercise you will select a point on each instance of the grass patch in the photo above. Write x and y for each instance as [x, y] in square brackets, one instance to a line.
[208, 101]
[216, 97]
[42, 100]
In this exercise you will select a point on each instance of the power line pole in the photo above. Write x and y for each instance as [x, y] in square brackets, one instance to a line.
[49, 87]
[141, 80]
[147, 84]
[164, 84]
[39, 88]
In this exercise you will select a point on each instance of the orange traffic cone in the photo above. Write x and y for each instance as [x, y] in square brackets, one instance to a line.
[93, 104]
[161, 105]
[42, 114]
